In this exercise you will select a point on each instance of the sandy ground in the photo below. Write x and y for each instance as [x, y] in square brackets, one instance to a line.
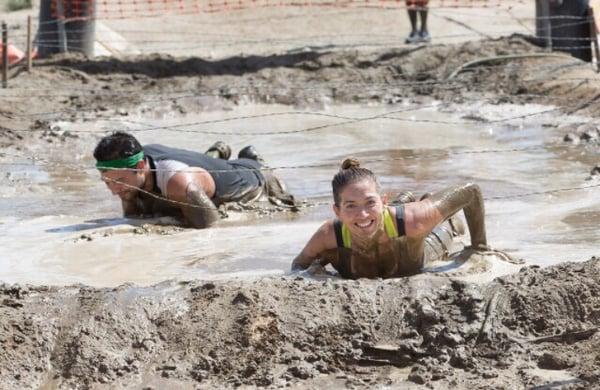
[535, 328]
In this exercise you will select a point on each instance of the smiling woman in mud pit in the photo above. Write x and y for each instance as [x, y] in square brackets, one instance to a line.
[156, 180]
[371, 239]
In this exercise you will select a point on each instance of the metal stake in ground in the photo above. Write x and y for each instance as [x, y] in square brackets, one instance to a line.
[62, 31]
[29, 43]
[542, 22]
[4, 55]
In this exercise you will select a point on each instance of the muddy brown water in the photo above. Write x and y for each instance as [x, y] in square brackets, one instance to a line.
[60, 225]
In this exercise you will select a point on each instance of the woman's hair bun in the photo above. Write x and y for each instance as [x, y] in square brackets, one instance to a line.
[350, 163]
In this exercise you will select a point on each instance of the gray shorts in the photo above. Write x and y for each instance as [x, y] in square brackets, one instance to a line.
[244, 184]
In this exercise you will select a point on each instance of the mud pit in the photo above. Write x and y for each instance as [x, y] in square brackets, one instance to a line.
[407, 154]
[452, 329]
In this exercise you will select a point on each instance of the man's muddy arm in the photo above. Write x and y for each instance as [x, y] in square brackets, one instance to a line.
[131, 208]
[468, 198]
[201, 212]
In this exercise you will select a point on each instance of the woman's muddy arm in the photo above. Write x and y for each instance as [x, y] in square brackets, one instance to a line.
[302, 262]
[308, 256]
[318, 243]
[467, 197]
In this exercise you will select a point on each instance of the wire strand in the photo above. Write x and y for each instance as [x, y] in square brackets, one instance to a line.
[421, 156]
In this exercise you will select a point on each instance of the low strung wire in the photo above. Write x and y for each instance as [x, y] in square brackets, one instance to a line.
[499, 197]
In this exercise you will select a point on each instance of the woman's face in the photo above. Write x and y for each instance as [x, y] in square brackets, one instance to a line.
[361, 208]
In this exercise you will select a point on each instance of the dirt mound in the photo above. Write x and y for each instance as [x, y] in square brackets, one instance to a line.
[273, 332]
[105, 87]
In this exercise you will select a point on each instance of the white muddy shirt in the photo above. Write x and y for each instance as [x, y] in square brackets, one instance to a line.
[165, 169]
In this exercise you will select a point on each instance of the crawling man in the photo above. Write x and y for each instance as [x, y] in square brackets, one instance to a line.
[156, 180]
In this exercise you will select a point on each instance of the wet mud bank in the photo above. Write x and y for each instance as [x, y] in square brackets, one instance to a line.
[533, 328]
[506, 70]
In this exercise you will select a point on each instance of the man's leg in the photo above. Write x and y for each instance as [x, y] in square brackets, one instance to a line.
[251, 153]
[275, 188]
[219, 150]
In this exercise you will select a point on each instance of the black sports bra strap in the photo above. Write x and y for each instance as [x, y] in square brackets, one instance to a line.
[337, 228]
[344, 266]
[400, 220]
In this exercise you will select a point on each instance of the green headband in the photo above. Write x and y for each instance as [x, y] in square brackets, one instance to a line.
[127, 162]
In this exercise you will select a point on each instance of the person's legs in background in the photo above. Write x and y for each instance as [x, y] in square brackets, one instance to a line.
[413, 37]
[423, 33]
[417, 9]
